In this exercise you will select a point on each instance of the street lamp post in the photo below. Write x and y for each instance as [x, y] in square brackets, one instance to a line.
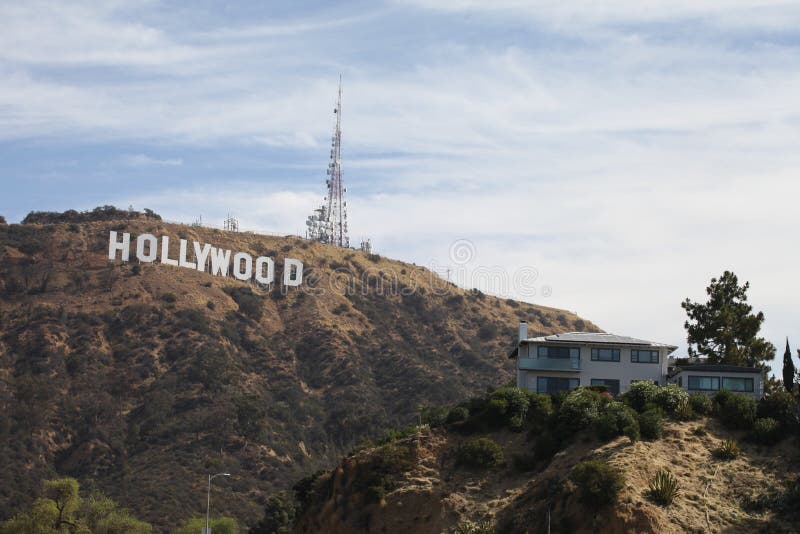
[208, 497]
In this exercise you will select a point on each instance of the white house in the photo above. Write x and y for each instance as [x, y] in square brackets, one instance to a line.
[709, 379]
[561, 362]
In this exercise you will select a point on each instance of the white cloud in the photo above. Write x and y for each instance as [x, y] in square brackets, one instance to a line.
[143, 160]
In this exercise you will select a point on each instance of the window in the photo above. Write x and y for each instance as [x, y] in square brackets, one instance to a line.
[703, 383]
[605, 355]
[559, 352]
[553, 385]
[612, 385]
[644, 356]
[737, 384]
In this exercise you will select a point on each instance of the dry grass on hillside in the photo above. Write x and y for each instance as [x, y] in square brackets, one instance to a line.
[436, 497]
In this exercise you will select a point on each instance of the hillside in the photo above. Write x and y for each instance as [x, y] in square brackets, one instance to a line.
[140, 379]
[429, 493]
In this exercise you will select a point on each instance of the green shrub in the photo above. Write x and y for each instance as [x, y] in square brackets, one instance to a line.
[617, 419]
[670, 397]
[640, 393]
[736, 410]
[651, 424]
[684, 410]
[433, 415]
[598, 482]
[781, 406]
[457, 415]
[580, 409]
[766, 431]
[169, 297]
[509, 407]
[699, 431]
[480, 452]
[664, 488]
[728, 450]
[700, 402]
[540, 409]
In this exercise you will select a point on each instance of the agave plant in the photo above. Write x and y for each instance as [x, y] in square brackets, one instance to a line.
[729, 450]
[664, 487]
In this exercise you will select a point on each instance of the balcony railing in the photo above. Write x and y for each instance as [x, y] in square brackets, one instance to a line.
[550, 364]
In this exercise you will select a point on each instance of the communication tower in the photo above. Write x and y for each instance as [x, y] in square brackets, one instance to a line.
[231, 224]
[328, 223]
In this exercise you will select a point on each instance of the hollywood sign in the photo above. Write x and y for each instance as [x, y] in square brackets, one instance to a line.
[244, 266]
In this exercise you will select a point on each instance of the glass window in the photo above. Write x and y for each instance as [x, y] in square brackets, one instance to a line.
[737, 384]
[605, 355]
[644, 356]
[703, 383]
[612, 385]
[553, 385]
[559, 352]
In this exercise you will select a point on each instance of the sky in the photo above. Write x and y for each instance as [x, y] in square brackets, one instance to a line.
[606, 157]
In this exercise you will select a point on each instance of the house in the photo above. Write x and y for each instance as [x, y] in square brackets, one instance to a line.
[562, 362]
[710, 378]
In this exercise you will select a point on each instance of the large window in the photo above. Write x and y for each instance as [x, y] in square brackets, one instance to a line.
[703, 383]
[611, 384]
[559, 352]
[553, 385]
[644, 356]
[605, 355]
[737, 384]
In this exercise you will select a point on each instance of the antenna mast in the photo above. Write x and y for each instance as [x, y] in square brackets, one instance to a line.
[328, 224]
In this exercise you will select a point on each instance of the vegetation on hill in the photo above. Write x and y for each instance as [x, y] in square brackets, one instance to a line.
[724, 329]
[140, 379]
[573, 469]
[100, 213]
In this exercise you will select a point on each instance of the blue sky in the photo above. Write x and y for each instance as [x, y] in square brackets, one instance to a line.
[628, 151]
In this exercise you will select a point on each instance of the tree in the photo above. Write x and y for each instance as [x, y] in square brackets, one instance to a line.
[724, 329]
[219, 525]
[61, 509]
[788, 369]
[279, 513]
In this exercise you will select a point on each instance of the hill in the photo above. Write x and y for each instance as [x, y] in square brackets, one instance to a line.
[421, 484]
[139, 379]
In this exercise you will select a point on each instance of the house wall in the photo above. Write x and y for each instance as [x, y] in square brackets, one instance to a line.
[758, 381]
[624, 370]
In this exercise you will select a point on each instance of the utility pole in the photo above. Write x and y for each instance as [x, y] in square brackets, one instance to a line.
[208, 498]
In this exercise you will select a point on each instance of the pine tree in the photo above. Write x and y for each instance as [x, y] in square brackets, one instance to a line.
[724, 329]
[788, 369]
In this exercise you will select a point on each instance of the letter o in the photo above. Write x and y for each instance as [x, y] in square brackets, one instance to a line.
[151, 240]
[259, 270]
[237, 266]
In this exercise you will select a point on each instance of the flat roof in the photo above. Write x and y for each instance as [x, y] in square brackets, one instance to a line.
[597, 338]
[719, 368]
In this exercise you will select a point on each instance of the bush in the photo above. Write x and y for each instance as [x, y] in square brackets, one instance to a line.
[598, 482]
[728, 450]
[736, 411]
[700, 402]
[664, 488]
[617, 419]
[651, 424]
[640, 394]
[433, 415]
[781, 406]
[457, 415]
[670, 397]
[509, 407]
[169, 297]
[480, 453]
[766, 431]
[540, 409]
[580, 409]
[471, 527]
[684, 410]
